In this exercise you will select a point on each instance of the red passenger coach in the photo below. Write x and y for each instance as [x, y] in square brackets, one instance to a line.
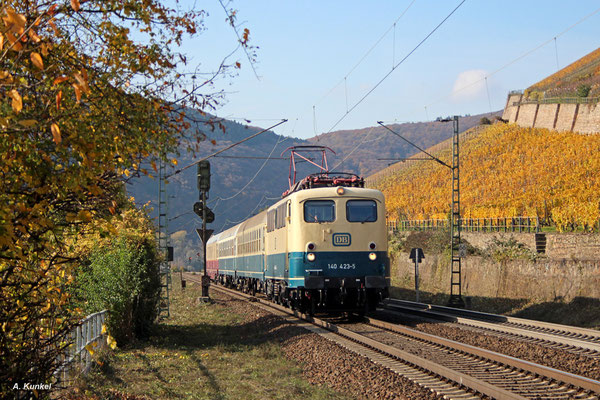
[212, 262]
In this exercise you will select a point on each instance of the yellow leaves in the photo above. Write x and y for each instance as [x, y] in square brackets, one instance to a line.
[75, 4]
[56, 137]
[103, 330]
[17, 101]
[1, 41]
[20, 303]
[112, 343]
[174, 161]
[90, 348]
[36, 60]
[153, 164]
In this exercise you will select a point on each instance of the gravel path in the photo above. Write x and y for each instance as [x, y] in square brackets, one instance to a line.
[324, 362]
[554, 358]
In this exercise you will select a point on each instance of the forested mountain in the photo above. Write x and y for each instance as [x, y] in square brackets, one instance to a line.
[241, 187]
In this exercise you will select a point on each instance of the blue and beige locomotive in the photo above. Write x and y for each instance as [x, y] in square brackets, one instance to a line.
[323, 246]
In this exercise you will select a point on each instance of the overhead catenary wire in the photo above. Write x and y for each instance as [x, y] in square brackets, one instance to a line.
[393, 26]
[227, 148]
[257, 172]
[520, 57]
[396, 66]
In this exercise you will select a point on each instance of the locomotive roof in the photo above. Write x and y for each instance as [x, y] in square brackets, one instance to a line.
[332, 192]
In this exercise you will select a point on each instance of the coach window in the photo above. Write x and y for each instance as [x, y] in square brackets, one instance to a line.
[319, 211]
[361, 211]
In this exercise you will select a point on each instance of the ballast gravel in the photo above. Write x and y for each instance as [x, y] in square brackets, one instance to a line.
[324, 362]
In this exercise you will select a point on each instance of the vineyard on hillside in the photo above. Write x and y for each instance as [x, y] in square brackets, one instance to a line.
[579, 79]
[506, 171]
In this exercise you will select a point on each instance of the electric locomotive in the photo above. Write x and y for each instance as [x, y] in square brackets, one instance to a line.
[323, 246]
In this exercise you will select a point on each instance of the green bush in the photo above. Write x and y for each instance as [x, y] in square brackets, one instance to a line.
[485, 121]
[583, 90]
[123, 277]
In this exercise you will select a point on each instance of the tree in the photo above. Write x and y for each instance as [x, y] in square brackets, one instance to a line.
[83, 101]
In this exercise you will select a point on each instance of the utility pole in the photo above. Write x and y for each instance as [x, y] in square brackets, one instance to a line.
[163, 243]
[456, 299]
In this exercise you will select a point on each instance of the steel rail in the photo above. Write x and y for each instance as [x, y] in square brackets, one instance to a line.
[478, 385]
[572, 336]
[562, 376]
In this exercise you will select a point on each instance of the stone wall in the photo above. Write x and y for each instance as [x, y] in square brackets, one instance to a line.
[583, 118]
[571, 268]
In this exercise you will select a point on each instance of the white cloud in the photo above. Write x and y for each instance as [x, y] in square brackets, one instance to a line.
[469, 84]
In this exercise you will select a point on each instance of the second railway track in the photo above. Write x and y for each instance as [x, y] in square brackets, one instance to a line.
[572, 339]
[451, 369]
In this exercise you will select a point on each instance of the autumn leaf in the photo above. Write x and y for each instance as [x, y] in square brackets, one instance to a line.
[1, 41]
[77, 92]
[60, 79]
[17, 101]
[55, 133]
[75, 4]
[58, 99]
[36, 59]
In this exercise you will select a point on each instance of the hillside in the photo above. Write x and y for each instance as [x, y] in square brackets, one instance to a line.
[506, 171]
[579, 79]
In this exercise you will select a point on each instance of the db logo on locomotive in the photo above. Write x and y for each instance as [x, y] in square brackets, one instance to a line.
[341, 239]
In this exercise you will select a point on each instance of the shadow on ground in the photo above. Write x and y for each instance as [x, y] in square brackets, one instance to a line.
[580, 311]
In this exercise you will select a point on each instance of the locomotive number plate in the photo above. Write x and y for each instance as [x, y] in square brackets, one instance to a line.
[341, 239]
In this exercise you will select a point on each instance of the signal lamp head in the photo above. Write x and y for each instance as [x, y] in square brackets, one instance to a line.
[310, 256]
[310, 246]
[340, 190]
[372, 245]
[372, 256]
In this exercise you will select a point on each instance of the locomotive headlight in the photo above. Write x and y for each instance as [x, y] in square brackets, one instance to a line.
[372, 256]
[340, 190]
[310, 246]
[310, 257]
[372, 245]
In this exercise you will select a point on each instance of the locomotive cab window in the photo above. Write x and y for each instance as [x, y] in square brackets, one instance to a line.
[319, 211]
[361, 211]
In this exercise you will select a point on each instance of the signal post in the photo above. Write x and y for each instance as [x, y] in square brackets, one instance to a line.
[202, 210]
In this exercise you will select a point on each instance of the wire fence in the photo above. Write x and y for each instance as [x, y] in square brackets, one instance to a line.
[509, 224]
[87, 335]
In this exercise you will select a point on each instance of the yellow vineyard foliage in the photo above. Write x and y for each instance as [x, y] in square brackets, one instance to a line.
[506, 171]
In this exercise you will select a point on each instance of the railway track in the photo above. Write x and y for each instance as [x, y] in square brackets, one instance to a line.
[572, 339]
[453, 370]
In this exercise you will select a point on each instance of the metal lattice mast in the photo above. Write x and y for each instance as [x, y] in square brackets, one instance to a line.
[456, 299]
[163, 242]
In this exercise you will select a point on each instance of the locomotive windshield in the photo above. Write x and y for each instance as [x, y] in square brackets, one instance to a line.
[319, 211]
[361, 211]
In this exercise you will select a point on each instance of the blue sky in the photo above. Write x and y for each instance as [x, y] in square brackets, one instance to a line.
[306, 48]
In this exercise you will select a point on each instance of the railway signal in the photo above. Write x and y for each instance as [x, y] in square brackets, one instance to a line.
[205, 213]
[204, 176]
[199, 210]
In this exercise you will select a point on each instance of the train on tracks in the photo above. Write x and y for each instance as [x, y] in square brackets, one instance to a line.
[322, 247]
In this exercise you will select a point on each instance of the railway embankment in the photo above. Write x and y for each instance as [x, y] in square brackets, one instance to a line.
[504, 273]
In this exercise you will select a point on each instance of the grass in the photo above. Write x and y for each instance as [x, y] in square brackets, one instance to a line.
[204, 351]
